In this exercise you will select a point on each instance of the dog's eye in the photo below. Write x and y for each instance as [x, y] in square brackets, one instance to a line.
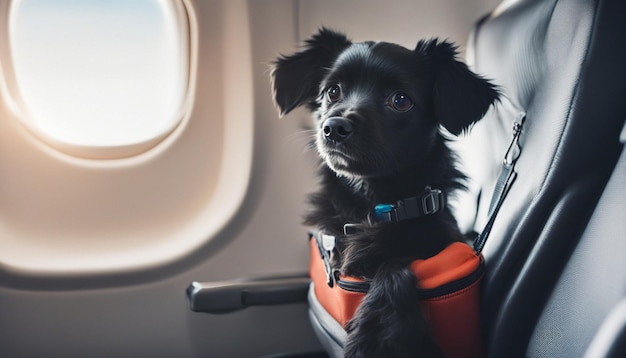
[400, 102]
[333, 93]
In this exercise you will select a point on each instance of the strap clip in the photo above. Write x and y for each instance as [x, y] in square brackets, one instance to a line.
[429, 202]
[323, 243]
[432, 201]
[503, 184]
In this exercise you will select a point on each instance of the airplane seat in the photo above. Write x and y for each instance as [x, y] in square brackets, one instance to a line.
[552, 274]
[585, 314]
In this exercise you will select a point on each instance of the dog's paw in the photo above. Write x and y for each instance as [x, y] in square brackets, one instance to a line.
[390, 322]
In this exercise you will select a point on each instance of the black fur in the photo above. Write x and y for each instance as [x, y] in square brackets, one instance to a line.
[379, 108]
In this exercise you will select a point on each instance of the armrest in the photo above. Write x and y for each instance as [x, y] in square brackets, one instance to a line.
[229, 296]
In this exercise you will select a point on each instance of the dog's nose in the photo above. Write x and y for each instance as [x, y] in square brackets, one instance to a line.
[337, 129]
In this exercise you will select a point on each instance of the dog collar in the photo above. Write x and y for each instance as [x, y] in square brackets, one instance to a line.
[429, 202]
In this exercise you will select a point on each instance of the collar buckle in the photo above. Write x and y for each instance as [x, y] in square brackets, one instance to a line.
[429, 202]
[432, 201]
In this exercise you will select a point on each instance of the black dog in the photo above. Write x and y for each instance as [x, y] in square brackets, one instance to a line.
[379, 108]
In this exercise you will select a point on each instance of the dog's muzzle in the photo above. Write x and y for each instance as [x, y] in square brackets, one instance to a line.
[337, 129]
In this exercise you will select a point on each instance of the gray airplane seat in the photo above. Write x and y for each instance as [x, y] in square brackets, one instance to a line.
[556, 251]
[562, 64]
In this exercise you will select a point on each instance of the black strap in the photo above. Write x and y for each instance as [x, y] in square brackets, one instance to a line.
[429, 202]
[504, 183]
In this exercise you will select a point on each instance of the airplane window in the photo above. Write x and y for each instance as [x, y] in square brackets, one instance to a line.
[97, 74]
[109, 164]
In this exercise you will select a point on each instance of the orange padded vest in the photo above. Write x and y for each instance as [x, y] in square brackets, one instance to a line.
[449, 293]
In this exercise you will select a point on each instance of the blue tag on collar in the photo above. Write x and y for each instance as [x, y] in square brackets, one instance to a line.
[383, 211]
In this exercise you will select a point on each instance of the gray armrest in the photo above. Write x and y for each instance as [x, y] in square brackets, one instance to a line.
[228, 296]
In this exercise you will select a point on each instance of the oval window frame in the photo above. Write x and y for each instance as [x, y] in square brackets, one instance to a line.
[222, 124]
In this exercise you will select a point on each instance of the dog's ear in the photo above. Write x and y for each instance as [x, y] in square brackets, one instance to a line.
[460, 97]
[296, 78]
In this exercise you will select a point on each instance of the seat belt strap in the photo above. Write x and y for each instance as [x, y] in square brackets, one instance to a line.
[504, 183]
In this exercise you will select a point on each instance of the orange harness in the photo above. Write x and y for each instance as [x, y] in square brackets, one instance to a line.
[449, 293]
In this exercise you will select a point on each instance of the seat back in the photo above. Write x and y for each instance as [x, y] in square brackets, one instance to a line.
[586, 310]
[562, 63]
